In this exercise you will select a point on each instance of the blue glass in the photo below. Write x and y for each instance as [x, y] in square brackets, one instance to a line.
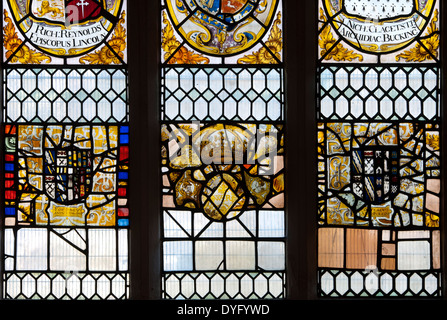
[123, 222]
[124, 138]
[10, 211]
[123, 175]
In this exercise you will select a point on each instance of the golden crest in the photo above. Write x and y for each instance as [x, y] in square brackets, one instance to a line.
[221, 27]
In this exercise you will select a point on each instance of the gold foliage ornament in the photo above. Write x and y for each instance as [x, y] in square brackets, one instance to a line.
[426, 49]
[270, 52]
[433, 141]
[16, 50]
[113, 51]
[431, 220]
[174, 54]
[331, 50]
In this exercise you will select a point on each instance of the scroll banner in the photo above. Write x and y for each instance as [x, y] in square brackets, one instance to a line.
[55, 37]
[379, 34]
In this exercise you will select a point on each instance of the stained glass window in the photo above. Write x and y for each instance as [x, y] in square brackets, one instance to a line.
[65, 152]
[222, 149]
[379, 166]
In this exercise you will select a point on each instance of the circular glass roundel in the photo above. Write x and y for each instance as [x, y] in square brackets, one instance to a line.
[221, 27]
[379, 26]
[66, 28]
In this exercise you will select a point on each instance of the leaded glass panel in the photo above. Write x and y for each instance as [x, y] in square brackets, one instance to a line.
[66, 150]
[379, 150]
[222, 150]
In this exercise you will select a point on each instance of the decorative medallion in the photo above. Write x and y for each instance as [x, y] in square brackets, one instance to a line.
[379, 26]
[66, 28]
[221, 27]
[223, 170]
[68, 174]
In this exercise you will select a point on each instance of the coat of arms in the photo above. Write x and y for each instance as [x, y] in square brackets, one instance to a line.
[222, 6]
[379, 9]
[375, 174]
[222, 27]
[66, 12]
[68, 174]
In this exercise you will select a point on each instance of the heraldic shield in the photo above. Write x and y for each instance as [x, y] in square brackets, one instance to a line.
[68, 174]
[222, 6]
[66, 12]
[379, 9]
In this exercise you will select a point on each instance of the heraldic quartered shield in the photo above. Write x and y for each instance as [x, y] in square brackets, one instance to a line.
[66, 27]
